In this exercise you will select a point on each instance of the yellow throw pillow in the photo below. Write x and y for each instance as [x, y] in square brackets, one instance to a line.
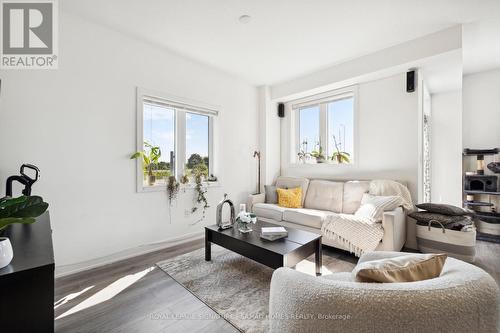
[404, 268]
[290, 198]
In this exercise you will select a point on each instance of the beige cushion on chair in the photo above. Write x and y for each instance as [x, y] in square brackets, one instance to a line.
[404, 268]
[293, 182]
[307, 217]
[325, 195]
[353, 192]
[269, 211]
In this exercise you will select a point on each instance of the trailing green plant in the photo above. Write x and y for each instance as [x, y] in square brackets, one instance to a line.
[184, 179]
[200, 195]
[23, 209]
[172, 189]
[149, 158]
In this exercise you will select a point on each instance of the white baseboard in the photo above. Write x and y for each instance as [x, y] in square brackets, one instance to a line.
[65, 270]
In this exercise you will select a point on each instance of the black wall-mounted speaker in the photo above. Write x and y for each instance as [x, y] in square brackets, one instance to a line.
[281, 110]
[410, 81]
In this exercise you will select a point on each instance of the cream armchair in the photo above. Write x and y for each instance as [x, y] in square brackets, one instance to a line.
[463, 299]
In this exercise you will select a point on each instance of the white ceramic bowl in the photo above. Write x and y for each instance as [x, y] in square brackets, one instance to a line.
[6, 253]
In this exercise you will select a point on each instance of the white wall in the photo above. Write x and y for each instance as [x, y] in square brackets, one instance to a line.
[387, 141]
[77, 124]
[269, 137]
[481, 110]
[446, 148]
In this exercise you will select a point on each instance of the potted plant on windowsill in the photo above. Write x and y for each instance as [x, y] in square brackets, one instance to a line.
[339, 155]
[319, 155]
[149, 160]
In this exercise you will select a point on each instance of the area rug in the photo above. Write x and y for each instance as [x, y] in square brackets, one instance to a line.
[235, 287]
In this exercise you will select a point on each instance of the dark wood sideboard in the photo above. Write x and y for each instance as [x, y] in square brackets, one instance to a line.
[27, 283]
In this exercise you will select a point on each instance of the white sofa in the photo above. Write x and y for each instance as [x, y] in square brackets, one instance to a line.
[463, 299]
[321, 198]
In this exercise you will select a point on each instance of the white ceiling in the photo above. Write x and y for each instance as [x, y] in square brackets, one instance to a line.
[481, 45]
[285, 38]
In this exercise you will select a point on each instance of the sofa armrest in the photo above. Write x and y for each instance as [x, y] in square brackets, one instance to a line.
[253, 199]
[394, 224]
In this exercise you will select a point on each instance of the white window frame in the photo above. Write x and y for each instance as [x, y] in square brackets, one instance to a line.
[322, 100]
[181, 106]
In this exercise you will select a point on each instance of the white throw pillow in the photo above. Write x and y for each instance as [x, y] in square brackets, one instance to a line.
[373, 207]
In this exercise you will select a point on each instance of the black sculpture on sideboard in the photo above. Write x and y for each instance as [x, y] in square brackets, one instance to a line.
[24, 179]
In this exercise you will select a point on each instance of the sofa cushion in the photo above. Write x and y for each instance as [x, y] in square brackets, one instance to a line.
[325, 195]
[307, 217]
[423, 218]
[353, 192]
[373, 207]
[445, 209]
[271, 194]
[293, 182]
[290, 198]
[269, 211]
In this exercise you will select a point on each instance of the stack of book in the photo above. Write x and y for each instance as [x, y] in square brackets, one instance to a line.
[273, 233]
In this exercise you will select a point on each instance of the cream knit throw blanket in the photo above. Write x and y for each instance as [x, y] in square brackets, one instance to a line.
[360, 235]
[356, 234]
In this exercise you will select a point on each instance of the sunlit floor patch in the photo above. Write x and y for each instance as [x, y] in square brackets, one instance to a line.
[70, 297]
[108, 292]
[309, 267]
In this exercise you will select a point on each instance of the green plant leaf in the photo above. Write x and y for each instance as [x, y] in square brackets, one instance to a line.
[136, 155]
[11, 220]
[33, 206]
[6, 202]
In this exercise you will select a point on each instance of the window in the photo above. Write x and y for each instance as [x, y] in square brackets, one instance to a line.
[197, 142]
[176, 137]
[158, 143]
[340, 117]
[325, 128]
[309, 128]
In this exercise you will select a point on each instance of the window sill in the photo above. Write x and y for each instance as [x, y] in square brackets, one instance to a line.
[163, 187]
[328, 164]
[207, 184]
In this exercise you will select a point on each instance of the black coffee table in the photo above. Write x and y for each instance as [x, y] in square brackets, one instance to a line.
[284, 252]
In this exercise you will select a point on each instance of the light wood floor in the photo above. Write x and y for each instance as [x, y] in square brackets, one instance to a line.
[135, 296]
